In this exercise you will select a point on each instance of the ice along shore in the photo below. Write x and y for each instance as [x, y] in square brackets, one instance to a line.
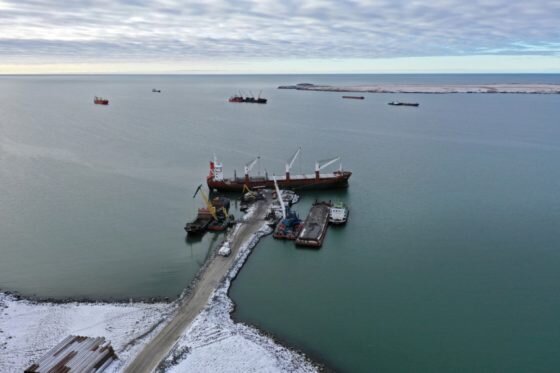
[436, 89]
[194, 333]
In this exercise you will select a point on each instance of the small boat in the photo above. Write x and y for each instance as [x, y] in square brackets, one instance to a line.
[354, 97]
[338, 213]
[398, 103]
[100, 101]
[156, 90]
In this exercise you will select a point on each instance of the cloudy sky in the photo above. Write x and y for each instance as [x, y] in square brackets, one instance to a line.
[279, 36]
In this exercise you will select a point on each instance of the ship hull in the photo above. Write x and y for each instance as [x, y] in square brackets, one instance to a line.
[339, 180]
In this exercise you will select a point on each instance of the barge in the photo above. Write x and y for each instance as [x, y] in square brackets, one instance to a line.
[315, 226]
[200, 223]
[354, 97]
[336, 179]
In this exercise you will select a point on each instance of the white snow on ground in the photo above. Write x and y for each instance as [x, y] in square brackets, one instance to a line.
[214, 343]
[29, 329]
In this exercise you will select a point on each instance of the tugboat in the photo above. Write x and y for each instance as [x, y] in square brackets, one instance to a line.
[338, 213]
[398, 103]
[100, 101]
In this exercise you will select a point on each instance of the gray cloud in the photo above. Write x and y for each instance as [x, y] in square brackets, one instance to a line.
[176, 30]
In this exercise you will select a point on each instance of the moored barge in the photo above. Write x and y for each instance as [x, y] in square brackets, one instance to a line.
[315, 226]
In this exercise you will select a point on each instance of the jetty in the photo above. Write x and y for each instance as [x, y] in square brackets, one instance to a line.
[195, 301]
[315, 226]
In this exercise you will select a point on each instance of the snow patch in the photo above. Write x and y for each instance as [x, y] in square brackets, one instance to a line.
[29, 329]
[213, 342]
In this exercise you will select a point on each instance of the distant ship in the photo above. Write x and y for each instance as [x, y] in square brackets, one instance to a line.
[398, 103]
[336, 179]
[249, 99]
[100, 101]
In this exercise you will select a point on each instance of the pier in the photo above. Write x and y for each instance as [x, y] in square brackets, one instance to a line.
[315, 226]
[192, 304]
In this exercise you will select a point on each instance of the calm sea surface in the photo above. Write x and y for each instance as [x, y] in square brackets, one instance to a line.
[450, 259]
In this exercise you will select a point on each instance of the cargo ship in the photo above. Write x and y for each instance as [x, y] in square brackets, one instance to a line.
[100, 101]
[336, 179]
[250, 99]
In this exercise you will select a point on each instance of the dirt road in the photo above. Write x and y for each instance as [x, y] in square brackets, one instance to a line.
[158, 348]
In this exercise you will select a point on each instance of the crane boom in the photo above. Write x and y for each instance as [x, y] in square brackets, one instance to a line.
[279, 196]
[251, 164]
[324, 163]
[290, 163]
[209, 206]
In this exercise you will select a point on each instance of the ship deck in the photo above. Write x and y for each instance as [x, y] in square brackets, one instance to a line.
[315, 226]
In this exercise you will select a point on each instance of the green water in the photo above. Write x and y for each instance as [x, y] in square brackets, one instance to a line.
[449, 261]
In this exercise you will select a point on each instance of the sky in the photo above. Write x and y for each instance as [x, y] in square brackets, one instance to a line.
[279, 36]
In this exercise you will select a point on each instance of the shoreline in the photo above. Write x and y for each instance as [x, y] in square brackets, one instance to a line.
[504, 88]
[129, 341]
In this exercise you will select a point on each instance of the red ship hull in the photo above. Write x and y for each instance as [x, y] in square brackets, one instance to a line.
[339, 179]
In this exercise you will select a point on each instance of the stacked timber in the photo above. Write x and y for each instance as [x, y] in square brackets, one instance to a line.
[76, 354]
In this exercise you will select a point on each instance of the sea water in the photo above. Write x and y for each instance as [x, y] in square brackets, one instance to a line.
[449, 259]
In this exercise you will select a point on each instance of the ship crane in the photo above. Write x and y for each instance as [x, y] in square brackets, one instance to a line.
[279, 196]
[322, 164]
[248, 167]
[290, 163]
[209, 206]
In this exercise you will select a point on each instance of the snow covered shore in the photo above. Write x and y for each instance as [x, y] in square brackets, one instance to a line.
[212, 343]
[426, 88]
[28, 329]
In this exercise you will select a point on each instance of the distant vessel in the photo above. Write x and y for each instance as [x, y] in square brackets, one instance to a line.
[338, 213]
[336, 179]
[156, 90]
[398, 103]
[249, 99]
[354, 97]
[100, 101]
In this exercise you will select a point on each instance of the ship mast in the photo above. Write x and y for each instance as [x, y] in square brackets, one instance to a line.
[290, 163]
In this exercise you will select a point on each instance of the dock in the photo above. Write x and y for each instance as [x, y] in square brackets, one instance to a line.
[315, 226]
